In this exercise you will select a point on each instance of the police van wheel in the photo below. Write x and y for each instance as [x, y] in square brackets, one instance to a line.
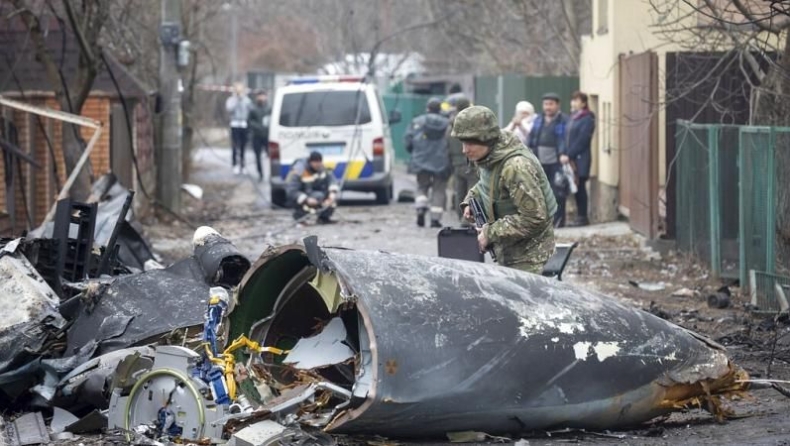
[384, 195]
[278, 198]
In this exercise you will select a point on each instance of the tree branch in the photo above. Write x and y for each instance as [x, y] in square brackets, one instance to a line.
[42, 52]
[770, 27]
[79, 33]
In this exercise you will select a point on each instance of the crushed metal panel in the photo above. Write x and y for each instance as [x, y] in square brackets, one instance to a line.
[448, 345]
[177, 294]
[30, 311]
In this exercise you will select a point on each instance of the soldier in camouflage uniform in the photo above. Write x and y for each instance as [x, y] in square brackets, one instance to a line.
[513, 190]
[464, 173]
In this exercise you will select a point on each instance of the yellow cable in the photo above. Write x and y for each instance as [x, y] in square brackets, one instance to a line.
[228, 362]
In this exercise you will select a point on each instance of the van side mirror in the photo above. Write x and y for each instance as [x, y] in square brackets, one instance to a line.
[395, 116]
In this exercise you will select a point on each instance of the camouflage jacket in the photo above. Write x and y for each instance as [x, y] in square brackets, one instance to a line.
[517, 198]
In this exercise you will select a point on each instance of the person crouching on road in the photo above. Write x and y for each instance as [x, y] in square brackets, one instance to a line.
[312, 189]
[426, 141]
[513, 191]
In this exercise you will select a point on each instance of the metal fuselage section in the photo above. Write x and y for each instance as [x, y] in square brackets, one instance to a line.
[446, 345]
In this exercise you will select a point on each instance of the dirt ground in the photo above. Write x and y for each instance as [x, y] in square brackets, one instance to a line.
[617, 264]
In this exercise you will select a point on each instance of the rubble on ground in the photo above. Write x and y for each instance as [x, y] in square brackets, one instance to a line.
[312, 342]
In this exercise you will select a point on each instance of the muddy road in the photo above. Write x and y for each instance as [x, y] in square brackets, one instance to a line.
[609, 259]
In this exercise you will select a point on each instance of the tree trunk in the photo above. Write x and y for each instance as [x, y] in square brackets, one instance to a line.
[73, 147]
[773, 108]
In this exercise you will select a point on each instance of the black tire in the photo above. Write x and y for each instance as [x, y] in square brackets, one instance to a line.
[384, 195]
[278, 198]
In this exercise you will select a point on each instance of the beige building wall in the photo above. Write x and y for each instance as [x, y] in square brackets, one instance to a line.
[623, 27]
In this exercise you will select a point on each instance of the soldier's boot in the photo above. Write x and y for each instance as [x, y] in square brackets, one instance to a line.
[421, 204]
[436, 216]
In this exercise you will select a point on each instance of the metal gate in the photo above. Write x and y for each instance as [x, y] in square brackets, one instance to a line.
[638, 126]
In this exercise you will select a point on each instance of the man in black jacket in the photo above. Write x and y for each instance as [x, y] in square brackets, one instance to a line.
[258, 122]
[580, 129]
[547, 140]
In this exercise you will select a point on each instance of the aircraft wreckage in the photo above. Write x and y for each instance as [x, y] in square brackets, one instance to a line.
[407, 346]
[357, 342]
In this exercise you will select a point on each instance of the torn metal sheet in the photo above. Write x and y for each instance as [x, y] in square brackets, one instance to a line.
[446, 345]
[88, 385]
[95, 421]
[138, 308]
[324, 349]
[61, 419]
[154, 303]
[30, 312]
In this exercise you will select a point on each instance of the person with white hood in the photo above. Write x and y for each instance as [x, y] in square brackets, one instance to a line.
[521, 124]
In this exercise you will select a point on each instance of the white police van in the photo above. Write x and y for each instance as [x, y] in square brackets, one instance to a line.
[344, 119]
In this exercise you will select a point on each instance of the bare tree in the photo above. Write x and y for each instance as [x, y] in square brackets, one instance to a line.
[85, 21]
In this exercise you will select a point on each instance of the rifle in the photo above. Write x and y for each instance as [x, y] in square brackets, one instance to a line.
[480, 220]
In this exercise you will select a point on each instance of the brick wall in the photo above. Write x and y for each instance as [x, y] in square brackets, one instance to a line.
[40, 185]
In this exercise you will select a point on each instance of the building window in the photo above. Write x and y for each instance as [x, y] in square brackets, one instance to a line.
[603, 17]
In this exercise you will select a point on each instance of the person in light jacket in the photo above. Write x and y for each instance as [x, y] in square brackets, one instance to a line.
[522, 121]
[238, 106]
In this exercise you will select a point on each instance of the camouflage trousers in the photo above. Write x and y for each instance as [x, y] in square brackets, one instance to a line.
[530, 267]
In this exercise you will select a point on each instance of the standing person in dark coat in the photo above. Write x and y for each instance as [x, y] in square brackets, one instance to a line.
[547, 142]
[426, 142]
[258, 122]
[581, 127]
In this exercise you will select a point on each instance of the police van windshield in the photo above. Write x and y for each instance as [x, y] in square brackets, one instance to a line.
[324, 108]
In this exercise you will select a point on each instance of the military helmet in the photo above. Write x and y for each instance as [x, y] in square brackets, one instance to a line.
[434, 105]
[476, 123]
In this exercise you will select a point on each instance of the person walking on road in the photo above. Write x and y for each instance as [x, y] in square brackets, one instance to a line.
[547, 141]
[581, 127]
[426, 141]
[464, 172]
[522, 121]
[238, 106]
[513, 191]
[258, 122]
[312, 189]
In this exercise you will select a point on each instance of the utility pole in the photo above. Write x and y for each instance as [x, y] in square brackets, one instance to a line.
[169, 170]
[231, 8]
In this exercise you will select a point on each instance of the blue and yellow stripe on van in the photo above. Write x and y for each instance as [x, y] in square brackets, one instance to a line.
[356, 169]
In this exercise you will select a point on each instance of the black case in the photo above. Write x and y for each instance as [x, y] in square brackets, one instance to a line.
[459, 243]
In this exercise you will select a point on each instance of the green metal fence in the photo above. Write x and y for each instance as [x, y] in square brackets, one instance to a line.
[410, 106]
[726, 195]
[502, 93]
